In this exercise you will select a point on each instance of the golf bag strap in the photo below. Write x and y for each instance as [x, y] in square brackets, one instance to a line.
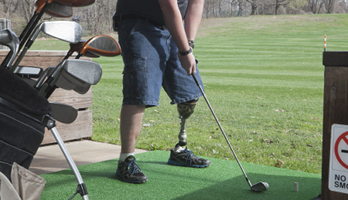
[45, 120]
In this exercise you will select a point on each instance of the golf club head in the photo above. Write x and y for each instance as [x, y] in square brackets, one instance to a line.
[67, 31]
[260, 187]
[63, 112]
[76, 3]
[66, 81]
[86, 71]
[82, 89]
[77, 48]
[9, 39]
[27, 71]
[69, 82]
[91, 55]
[101, 45]
[59, 10]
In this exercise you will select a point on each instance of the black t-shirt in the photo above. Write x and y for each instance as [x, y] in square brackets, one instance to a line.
[147, 8]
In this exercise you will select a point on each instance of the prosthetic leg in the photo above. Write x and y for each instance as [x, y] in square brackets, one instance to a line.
[185, 110]
[181, 156]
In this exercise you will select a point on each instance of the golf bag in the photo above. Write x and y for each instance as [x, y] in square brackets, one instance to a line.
[23, 117]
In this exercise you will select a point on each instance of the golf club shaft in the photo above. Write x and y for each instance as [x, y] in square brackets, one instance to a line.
[28, 30]
[222, 131]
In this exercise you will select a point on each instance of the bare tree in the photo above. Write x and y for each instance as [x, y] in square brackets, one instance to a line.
[315, 6]
[208, 8]
[242, 5]
[330, 5]
[97, 18]
[279, 3]
[26, 8]
[8, 6]
[254, 4]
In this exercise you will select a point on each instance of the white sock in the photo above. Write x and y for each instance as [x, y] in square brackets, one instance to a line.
[123, 156]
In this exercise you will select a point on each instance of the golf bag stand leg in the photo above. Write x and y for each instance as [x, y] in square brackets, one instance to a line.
[185, 110]
[81, 187]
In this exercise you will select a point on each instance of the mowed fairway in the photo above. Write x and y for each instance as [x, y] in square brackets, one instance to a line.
[263, 76]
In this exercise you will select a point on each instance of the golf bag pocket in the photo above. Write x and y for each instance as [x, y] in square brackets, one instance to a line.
[20, 138]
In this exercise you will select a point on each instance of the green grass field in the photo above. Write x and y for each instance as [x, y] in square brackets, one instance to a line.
[263, 75]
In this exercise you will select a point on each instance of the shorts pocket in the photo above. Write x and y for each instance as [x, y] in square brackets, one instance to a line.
[134, 78]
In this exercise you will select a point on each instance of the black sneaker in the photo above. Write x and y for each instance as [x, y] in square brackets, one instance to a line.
[187, 158]
[130, 172]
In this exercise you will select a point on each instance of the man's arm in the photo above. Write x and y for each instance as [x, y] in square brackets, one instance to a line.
[173, 20]
[193, 18]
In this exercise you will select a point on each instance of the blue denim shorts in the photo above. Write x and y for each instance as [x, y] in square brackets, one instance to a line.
[151, 62]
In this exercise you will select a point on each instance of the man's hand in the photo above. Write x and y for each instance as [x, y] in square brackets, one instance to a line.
[188, 62]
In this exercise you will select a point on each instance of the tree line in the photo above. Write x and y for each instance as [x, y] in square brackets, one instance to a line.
[96, 19]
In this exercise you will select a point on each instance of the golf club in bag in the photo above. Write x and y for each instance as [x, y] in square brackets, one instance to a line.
[63, 30]
[9, 39]
[257, 187]
[24, 114]
[42, 6]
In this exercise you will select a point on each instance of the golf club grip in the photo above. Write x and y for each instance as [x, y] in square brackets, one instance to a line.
[30, 29]
[6, 60]
[222, 131]
[26, 29]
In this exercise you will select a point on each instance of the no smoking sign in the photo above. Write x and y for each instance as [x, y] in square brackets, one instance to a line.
[338, 174]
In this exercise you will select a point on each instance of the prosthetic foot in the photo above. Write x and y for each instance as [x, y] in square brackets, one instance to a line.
[181, 156]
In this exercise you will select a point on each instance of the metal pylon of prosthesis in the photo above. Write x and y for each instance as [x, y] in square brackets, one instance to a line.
[185, 110]
[182, 135]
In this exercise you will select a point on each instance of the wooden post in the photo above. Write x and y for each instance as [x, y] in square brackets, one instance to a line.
[335, 111]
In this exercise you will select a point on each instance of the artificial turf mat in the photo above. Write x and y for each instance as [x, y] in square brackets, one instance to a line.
[223, 179]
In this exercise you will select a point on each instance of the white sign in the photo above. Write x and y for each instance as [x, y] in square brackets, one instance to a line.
[338, 171]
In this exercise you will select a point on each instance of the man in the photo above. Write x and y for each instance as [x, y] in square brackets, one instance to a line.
[156, 51]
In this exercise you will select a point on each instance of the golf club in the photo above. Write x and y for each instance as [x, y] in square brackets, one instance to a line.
[258, 187]
[76, 3]
[67, 83]
[41, 8]
[63, 112]
[68, 31]
[76, 47]
[52, 8]
[87, 71]
[68, 80]
[71, 78]
[71, 74]
[9, 39]
[101, 45]
[59, 10]
[28, 72]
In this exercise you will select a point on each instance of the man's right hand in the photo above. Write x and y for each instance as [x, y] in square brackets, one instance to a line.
[188, 62]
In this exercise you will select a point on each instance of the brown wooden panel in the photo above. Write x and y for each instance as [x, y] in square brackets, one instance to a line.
[70, 97]
[80, 128]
